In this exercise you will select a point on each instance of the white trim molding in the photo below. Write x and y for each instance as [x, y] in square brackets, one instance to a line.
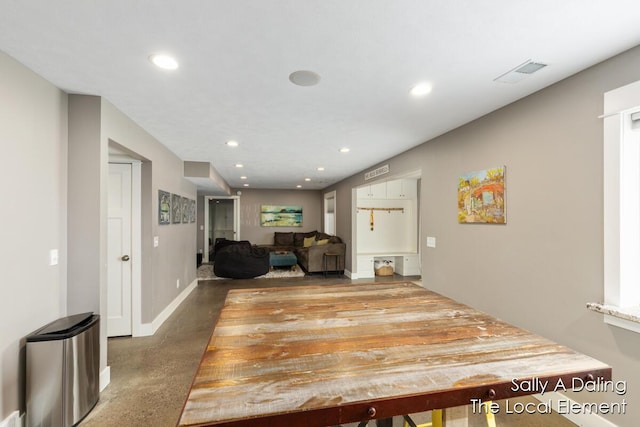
[148, 329]
[105, 378]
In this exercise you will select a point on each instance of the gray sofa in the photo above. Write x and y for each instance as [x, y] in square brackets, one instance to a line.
[310, 248]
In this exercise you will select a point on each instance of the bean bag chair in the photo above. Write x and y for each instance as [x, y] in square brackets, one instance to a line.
[241, 260]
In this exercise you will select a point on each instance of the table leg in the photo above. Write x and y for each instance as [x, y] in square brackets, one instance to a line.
[455, 417]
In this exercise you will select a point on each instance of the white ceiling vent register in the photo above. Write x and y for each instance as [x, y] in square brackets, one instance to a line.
[520, 72]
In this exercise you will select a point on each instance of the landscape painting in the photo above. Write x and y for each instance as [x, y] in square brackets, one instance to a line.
[481, 197]
[280, 216]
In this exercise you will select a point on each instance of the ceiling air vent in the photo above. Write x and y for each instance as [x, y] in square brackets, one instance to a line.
[520, 72]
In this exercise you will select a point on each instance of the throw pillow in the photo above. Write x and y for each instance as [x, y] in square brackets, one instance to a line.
[298, 238]
[322, 242]
[308, 241]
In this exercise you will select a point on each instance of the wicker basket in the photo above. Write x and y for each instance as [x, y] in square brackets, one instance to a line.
[385, 270]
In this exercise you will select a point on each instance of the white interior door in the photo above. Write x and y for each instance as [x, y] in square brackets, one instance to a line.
[119, 251]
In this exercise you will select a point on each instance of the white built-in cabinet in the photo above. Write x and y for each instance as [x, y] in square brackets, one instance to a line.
[408, 265]
[394, 234]
[402, 189]
[373, 191]
[404, 264]
[396, 189]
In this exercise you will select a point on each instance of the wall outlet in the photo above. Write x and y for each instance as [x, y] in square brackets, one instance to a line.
[178, 284]
[156, 241]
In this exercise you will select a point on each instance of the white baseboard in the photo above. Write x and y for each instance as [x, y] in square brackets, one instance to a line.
[350, 275]
[581, 419]
[148, 329]
[105, 378]
[13, 420]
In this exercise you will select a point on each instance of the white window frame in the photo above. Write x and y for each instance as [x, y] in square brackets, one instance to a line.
[621, 155]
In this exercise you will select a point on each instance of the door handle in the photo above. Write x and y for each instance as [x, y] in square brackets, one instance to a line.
[125, 258]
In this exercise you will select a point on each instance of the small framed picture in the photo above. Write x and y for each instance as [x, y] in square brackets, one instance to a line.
[164, 207]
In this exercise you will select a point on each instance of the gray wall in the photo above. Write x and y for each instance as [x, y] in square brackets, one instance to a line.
[540, 269]
[55, 186]
[33, 138]
[175, 257]
[94, 124]
[251, 200]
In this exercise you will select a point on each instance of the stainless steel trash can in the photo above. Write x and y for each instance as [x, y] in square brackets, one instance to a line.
[62, 371]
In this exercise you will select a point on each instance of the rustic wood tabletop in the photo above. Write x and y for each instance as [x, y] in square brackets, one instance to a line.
[319, 356]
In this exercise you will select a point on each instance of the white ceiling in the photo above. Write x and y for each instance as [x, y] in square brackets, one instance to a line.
[236, 55]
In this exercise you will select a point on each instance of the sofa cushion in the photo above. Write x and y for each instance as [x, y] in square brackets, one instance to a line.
[322, 242]
[308, 241]
[283, 239]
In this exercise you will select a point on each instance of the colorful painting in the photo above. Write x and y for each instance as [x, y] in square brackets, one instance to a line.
[280, 216]
[164, 207]
[481, 197]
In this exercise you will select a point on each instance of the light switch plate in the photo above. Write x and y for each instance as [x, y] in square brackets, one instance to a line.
[53, 257]
[156, 241]
[431, 242]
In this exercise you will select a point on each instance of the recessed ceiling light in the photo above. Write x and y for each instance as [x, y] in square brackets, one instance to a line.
[421, 89]
[165, 62]
[345, 150]
[304, 78]
[298, 186]
[243, 177]
[320, 168]
[245, 185]
[232, 143]
[239, 165]
[307, 179]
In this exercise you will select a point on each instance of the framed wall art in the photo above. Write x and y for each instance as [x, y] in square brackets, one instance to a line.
[280, 216]
[185, 210]
[176, 209]
[192, 211]
[481, 197]
[164, 207]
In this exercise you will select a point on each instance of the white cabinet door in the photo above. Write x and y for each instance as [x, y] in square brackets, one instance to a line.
[402, 189]
[410, 188]
[379, 191]
[365, 266]
[373, 191]
[364, 192]
[394, 189]
[408, 265]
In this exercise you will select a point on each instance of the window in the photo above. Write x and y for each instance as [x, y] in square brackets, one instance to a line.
[622, 208]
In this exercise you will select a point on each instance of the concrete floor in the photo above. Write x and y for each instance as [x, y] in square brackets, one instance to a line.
[150, 376]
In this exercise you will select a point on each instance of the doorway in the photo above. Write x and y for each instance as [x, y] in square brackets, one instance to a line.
[221, 220]
[124, 249]
[330, 213]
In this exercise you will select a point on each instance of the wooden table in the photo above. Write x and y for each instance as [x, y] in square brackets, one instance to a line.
[318, 356]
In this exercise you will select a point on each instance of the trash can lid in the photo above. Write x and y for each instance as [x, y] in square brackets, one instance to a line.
[62, 327]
